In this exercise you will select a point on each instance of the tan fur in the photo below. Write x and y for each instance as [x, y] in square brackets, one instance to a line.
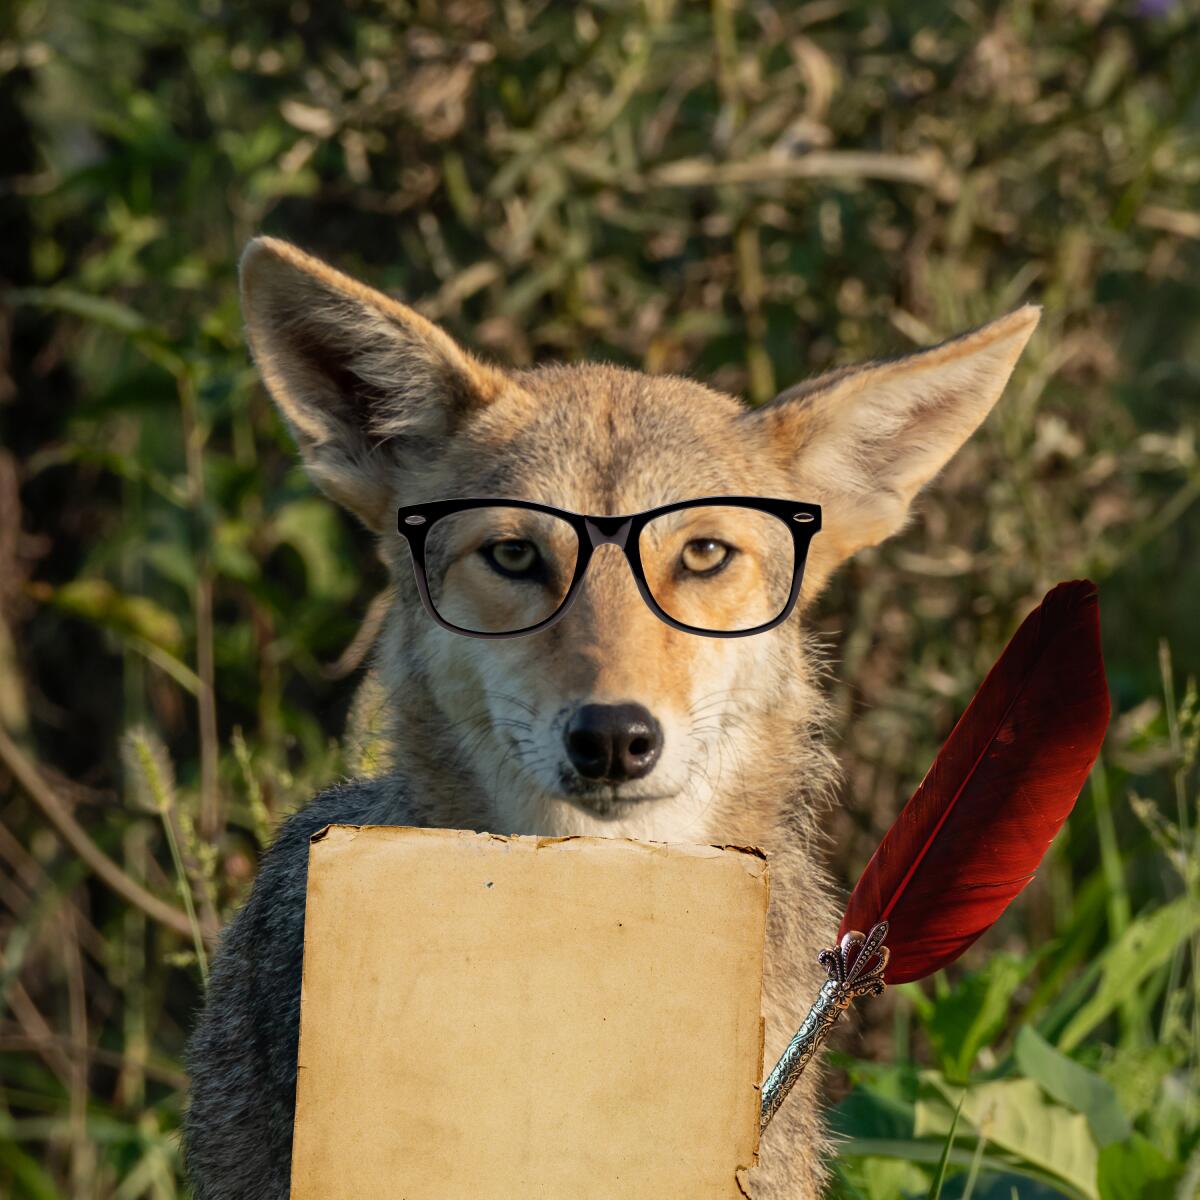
[387, 410]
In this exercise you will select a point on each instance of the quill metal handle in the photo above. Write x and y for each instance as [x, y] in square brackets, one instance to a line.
[855, 968]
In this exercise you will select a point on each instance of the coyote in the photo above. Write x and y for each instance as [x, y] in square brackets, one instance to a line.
[686, 738]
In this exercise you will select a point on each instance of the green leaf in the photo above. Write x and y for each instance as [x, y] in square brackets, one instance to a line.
[128, 616]
[1136, 1074]
[1135, 1170]
[108, 314]
[1073, 1085]
[1144, 947]
[231, 554]
[930, 1150]
[1007, 1186]
[311, 527]
[866, 1113]
[974, 1012]
[31, 1180]
[102, 311]
[888, 1178]
[173, 562]
[1014, 1115]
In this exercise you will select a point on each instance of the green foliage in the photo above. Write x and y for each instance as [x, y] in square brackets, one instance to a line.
[963, 1020]
[1135, 1170]
[1081, 1090]
[1101, 1118]
[1145, 946]
[746, 193]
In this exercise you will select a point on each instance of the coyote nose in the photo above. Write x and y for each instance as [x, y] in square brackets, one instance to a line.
[613, 742]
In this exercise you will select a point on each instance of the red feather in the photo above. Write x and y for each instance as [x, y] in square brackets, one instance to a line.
[977, 828]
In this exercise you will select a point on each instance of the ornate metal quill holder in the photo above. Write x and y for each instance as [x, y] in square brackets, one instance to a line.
[855, 968]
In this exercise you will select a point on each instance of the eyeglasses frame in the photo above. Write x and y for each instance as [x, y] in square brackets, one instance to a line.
[414, 521]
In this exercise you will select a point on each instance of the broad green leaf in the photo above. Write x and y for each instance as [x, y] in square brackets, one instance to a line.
[1073, 1085]
[1135, 1170]
[1014, 1115]
[889, 1178]
[1142, 949]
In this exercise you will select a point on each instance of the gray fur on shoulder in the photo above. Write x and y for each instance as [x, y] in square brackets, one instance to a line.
[242, 1054]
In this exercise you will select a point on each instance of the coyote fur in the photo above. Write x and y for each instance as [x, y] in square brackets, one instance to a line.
[388, 410]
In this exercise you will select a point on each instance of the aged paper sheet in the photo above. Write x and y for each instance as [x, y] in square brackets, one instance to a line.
[516, 1018]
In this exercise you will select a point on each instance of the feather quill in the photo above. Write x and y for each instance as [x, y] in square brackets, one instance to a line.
[978, 826]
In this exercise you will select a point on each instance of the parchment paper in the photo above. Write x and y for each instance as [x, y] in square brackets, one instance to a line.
[488, 1018]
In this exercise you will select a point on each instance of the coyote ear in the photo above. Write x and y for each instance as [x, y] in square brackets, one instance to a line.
[862, 441]
[362, 380]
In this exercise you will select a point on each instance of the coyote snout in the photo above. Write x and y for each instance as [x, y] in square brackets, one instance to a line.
[607, 715]
[609, 744]
[567, 732]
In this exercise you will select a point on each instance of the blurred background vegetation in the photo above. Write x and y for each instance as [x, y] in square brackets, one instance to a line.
[745, 192]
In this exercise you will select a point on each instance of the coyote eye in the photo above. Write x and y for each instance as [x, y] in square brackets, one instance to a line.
[515, 559]
[706, 556]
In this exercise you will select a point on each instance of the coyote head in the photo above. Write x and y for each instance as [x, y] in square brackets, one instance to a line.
[610, 722]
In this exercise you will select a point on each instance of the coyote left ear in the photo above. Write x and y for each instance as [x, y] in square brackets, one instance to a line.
[862, 441]
[362, 380]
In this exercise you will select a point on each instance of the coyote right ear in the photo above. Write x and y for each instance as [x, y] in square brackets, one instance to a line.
[864, 440]
[361, 379]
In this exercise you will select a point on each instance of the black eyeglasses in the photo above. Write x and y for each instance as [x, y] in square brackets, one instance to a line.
[719, 566]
